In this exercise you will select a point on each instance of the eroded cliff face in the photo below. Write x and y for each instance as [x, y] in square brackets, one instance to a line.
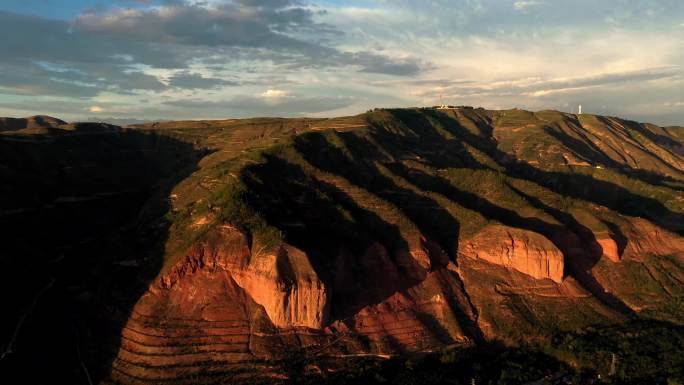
[222, 308]
[644, 239]
[648, 277]
[201, 323]
[288, 288]
[228, 304]
[282, 281]
[433, 313]
[524, 251]
[285, 284]
[637, 240]
[609, 248]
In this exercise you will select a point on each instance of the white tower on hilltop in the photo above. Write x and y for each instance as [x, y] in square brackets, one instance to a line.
[580, 110]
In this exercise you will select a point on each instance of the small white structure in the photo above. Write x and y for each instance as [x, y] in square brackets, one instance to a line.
[580, 110]
[442, 106]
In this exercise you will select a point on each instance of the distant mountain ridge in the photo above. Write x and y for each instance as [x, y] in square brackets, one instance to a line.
[31, 122]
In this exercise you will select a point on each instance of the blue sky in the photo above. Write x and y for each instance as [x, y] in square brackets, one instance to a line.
[192, 59]
[67, 9]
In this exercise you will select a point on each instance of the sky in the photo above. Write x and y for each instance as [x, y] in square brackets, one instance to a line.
[214, 59]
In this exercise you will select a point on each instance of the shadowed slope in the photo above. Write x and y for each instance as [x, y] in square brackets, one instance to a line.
[83, 234]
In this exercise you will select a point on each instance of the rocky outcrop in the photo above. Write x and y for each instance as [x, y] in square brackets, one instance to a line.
[224, 247]
[201, 323]
[224, 306]
[643, 238]
[525, 251]
[282, 281]
[288, 288]
[609, 248]
[432, 313]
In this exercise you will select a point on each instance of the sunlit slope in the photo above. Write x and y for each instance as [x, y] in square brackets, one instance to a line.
[464, 224]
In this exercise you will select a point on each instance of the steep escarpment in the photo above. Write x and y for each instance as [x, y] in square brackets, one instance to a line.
[527, 252]
[400, 231]
[282, 280]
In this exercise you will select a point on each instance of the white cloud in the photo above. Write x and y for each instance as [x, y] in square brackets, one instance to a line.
[358, 54]
[522, 5]
[275, 94]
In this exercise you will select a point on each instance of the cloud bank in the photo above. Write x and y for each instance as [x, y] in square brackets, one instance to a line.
[223, 58]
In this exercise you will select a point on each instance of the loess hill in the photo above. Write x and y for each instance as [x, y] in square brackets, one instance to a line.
[193, 252]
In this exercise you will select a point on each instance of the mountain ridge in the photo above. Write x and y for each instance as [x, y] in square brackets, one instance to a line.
[321, 202]
[398, 230]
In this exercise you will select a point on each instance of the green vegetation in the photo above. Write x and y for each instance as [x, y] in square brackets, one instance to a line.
[234, 209]
[635, 353]
[638, 352]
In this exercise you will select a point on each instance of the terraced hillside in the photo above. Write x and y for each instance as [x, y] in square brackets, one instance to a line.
[390, 232]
